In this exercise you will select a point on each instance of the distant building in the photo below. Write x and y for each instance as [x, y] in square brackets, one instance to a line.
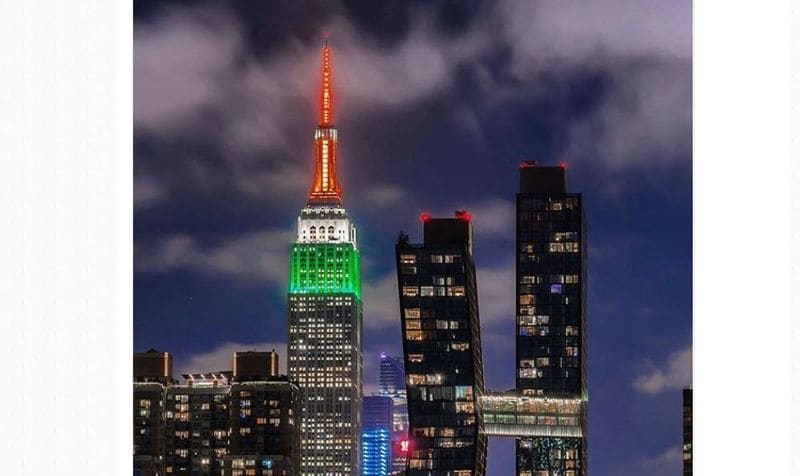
[687, 431]
[376, 436]
[392, 384]
[442, 351]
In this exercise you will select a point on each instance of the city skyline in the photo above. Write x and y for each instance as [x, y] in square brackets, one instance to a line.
[212, 220]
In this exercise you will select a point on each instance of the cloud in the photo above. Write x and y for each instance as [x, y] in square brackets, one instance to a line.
[645, 119]
[220, 358]
[178, 61]
[669, 462]
[674, 373]
[194, 74]
[544, 32]
[258, 256]
[496, 294]
[147, 192]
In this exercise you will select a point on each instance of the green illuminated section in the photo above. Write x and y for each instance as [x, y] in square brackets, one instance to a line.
[325, 268]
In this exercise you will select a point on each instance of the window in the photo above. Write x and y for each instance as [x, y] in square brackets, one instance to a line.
[412, 313]
[436, 258]
[415, 358]
[555, 289]
[452, 258]
[408, 259]
[542, 362]
[410, 291]
[413, 324]
[571, 330]
[457, 291]
[527, 299]
[414, 335]
[425, 291]
[572, 279]
[408, 270]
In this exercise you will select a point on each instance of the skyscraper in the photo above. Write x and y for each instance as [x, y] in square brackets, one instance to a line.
[392, 383]
[551, 311]
[687, 431]
[442, 350]
[376, 436]
[325, 325]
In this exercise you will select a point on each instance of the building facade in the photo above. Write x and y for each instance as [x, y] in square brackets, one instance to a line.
[152, 374]
[687, 431]
[392, 383]
[376, 436]
[551, 312]
[196, 422]
[325, 311]
[442, 349]
[240, 423]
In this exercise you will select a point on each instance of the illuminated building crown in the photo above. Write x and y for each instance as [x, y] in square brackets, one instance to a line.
[325, 189]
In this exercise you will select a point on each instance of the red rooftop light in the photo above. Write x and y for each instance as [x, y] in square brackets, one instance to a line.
[527, 163]
[563, 164]
[425, 217]
[463, 215]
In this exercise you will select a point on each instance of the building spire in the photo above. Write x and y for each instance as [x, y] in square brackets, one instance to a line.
[326, 94]
[326, 190]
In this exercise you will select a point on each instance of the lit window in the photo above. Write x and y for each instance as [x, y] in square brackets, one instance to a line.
[408, 259]
[425, 291]
[457, 291]
[436, 258]
[413, 324]
[555, 289]
[415, 358]
[412, 313]
[410, 291]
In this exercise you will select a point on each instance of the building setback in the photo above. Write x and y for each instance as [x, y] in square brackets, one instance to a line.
[376, 436]
[442, 351]
[325, 309]
[551, 312]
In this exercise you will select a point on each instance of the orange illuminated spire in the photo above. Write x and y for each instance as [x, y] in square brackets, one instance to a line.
[326, 97]
[325, 189]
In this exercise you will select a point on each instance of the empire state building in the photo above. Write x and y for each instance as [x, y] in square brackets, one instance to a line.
[325, 311]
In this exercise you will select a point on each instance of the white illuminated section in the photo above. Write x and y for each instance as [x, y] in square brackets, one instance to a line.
[325, 224]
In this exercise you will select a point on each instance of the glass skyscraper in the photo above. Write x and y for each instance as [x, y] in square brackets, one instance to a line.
[392, 384]
[376, 436]
[551, 312]
[325, 310]
[442, 350]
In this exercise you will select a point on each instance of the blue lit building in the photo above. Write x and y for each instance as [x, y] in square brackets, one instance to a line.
[392, 384]
[376, 435]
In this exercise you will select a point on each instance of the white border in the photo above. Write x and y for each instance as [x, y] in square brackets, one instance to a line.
[741, 238]
[65, 248]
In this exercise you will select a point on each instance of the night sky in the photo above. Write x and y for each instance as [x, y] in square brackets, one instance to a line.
[436, 105]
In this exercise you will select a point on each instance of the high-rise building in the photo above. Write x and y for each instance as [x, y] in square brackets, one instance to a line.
[687, 431]
[196, 421]
[240, 423]
[551, 312]
[152, 373]
[264, 435]
[325, 312]
[442, 349]
[392, 383]
[376, 436]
